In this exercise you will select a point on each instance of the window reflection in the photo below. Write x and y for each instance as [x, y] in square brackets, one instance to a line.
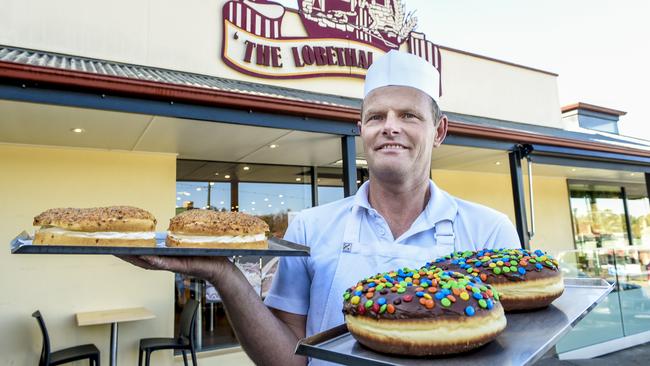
[598, 216]
[626, 310]
[639, 210]
[215, 196]
[601, 213]
[272, 192]
[273, 202]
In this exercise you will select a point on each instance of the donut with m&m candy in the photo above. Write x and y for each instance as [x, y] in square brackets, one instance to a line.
[423, 312]
[525, 279]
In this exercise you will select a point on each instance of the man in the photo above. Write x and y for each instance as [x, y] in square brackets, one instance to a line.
[398, 218]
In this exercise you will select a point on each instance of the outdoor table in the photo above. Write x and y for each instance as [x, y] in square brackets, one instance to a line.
[113, 317]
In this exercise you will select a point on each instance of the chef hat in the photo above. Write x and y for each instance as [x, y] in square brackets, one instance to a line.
[403, 69]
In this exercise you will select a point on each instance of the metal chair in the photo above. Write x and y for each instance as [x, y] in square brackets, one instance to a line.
[184, 341]
[48, 358]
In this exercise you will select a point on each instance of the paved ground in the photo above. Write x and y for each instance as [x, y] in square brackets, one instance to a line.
[639, 355]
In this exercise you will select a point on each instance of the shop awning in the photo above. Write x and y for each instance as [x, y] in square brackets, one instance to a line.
[74, 73]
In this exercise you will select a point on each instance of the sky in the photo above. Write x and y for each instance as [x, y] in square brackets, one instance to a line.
[599, 48]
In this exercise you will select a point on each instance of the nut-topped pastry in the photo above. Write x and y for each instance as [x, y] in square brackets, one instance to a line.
[105, 226]
[215, 229]
[423, 312]
[525, 279]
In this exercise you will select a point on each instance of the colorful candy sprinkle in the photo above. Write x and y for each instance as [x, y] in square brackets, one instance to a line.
[469, 311]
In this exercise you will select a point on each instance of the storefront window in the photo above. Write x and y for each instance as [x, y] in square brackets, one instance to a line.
[598, 216]
[639, 210]
[626, 310]
[204, 195]
[601, 212]
[273, 202]
[272, 192]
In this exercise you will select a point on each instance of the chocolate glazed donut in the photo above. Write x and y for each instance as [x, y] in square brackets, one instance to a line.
[423, 312]
[525, 279]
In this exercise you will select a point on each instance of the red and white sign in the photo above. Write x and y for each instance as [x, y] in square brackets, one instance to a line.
[344, 37]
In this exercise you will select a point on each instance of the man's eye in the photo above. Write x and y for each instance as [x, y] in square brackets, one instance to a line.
[409, 115]
[374, 117]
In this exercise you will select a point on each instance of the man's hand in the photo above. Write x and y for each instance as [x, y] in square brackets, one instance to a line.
[202, 267]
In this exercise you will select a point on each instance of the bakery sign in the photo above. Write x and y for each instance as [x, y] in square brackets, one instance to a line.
[264, 39]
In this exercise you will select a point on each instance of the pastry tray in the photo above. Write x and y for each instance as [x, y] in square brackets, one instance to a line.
[527, 337]
[22, 244]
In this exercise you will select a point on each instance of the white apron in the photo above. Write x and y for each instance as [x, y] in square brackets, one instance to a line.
[357, 260]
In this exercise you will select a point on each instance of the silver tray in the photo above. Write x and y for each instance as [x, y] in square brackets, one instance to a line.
[22, 244]
[527, 337]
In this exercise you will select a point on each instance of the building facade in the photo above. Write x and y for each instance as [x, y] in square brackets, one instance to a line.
[252, 106]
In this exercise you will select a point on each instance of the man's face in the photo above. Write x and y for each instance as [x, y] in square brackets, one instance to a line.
[399, 133]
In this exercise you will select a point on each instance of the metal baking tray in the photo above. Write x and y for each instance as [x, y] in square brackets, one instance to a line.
[22, 244]
[527, 337]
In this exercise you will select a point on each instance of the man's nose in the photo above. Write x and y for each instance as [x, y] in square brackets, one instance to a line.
[392, 125]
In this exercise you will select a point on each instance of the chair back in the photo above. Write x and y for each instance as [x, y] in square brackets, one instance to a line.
[45, 352]
[188, 320]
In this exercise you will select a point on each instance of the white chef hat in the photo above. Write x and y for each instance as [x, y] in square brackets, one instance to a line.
[403, 69]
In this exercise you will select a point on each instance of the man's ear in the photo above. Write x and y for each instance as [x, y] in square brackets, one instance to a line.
[441, 131]
[359, 126]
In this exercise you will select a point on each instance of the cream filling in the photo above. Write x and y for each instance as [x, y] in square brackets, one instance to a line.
[454, 332]
[217, 239]
[101, 234]
[525, 289]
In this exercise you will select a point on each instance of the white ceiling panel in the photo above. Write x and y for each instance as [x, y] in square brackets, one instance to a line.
[41, 124]
[299, 148]
[462, 158]
[205, 140]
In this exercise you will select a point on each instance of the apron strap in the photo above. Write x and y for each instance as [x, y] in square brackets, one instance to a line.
[445, 233]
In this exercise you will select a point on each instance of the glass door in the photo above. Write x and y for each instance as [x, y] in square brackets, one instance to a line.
[599, 217]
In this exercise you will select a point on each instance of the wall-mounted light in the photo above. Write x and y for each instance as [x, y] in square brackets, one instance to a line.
[77, 130]
[273, 146]
[247, 168]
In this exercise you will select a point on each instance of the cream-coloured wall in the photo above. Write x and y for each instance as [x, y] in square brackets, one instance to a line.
[186, 36]
[553, 230]
[38, 178]
[552, 213]
[481, 87]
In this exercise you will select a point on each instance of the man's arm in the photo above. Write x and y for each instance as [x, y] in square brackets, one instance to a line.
[269, 337]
